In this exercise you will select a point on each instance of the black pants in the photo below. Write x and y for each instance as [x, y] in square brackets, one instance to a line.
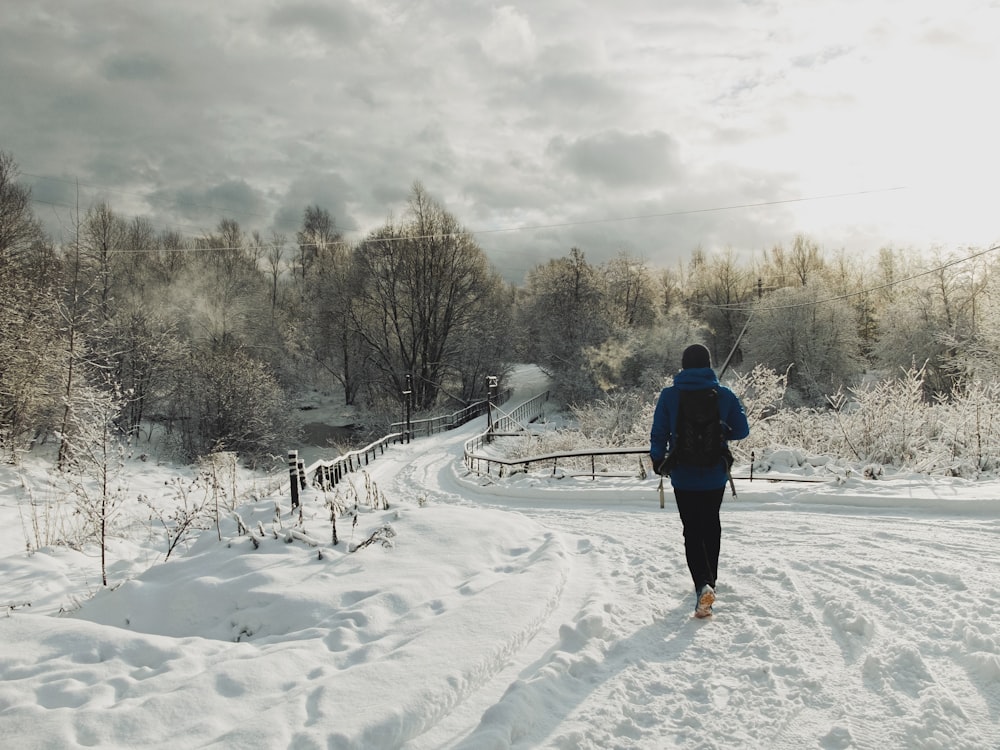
[699, 510]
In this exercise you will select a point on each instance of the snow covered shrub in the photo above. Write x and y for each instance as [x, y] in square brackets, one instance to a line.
[217, 472]
[95, 452]
[970, 429]
[887, 422]
[762, 391]
[382, 535]
[181, 516]
[228, 400]
[45, 521]
[616, 419]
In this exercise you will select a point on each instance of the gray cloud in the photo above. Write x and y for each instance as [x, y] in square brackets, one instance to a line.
[233, 198]
[529, 118]
[337, 21]
[135, 67]
[620, 159]
[328, 191]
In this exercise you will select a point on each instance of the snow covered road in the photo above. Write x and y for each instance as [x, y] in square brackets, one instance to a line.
[836, 627]
[529, 612]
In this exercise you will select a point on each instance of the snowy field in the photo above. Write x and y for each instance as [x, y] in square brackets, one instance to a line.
[523, 613]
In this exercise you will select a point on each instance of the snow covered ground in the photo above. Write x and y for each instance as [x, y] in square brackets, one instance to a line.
[529, 612]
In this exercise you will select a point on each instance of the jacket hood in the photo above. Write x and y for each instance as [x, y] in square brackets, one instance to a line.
[696, 378]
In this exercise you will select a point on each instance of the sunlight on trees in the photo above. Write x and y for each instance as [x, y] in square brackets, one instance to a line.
[212, 337]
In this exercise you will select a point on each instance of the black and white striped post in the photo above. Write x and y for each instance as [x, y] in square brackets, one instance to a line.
[293, 476]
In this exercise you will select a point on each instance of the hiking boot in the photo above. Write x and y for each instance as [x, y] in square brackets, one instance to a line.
[706, 598]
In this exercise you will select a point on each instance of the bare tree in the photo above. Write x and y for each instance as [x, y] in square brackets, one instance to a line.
[629, 291]
[275, 256]
[805, 259]
[318, 235]
[721, 294]
[18, 227]
[421, 283]
[102, 243]
[561, 315]
[806, 329]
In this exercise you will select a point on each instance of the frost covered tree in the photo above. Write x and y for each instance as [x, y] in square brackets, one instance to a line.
[935, 320]
[29, 276]
[808, 333]
[720, 293]
[102, 243]
[654, 353]
[806, 260]
[317, 238]
[561, 315]
[629, 292]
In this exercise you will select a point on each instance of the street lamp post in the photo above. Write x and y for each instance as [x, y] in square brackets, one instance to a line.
[408, 399]
[491, 385]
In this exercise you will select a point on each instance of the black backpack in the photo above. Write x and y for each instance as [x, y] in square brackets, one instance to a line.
[698, 436]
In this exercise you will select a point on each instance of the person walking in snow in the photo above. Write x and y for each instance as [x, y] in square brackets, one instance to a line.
[693, 420]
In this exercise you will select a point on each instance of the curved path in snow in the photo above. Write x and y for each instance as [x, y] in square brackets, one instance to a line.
[836, 627]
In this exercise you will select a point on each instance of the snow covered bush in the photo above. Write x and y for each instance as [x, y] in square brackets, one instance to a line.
[970, 429]
[616, 419]
[884, 423]
[182, 515]
[228, 400]
[94, 467]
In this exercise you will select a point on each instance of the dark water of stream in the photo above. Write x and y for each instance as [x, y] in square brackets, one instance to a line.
[320, 433]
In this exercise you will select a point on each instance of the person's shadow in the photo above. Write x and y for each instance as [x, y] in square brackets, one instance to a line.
[549, 689]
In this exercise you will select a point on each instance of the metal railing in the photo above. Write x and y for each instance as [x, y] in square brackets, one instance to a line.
[502, 423]
[476, 461]
[433, 425]
[326, 474]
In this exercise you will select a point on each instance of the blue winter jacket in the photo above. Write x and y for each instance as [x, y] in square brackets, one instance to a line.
[664, 430]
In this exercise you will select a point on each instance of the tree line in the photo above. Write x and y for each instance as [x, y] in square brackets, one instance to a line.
[210, 338]
[822, 321]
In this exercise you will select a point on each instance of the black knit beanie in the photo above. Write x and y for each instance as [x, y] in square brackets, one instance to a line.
[696, 355]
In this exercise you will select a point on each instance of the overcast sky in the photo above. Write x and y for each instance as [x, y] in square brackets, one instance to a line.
[631, 125]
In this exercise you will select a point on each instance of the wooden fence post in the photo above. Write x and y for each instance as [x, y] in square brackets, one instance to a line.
[293, 476]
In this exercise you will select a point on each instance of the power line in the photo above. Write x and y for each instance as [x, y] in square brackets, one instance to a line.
[519, 228]
[848, 295]
[148, 198]
[558, 225]
[685, 212]
[534, 227]
[158, 225]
